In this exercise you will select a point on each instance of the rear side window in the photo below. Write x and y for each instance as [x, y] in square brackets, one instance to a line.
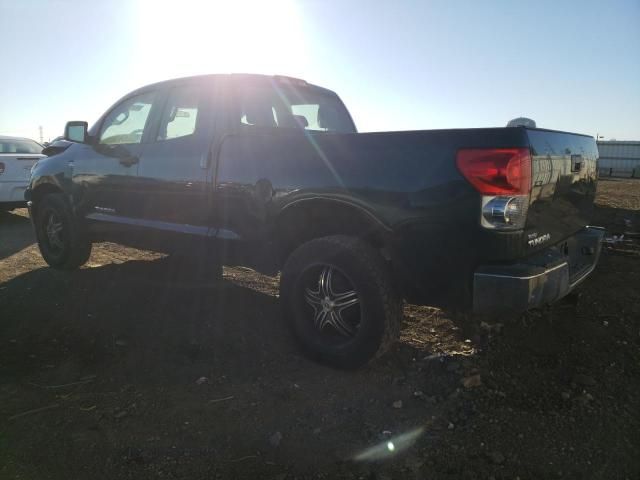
[180, 115]
[125, 124]
[287, 106]
[20, 146]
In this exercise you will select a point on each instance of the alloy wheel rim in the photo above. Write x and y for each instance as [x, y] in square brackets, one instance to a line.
[334, 307]
[53, 230]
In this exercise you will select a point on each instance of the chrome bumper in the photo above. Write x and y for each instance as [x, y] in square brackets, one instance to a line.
[541, 280]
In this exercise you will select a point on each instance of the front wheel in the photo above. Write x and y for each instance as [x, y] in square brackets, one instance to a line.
[339, 301]
[62, 241]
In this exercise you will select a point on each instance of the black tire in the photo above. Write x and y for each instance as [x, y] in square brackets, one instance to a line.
[72, 248]
[369, 326]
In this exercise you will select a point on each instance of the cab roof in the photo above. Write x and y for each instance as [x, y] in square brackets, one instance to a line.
[235, 77]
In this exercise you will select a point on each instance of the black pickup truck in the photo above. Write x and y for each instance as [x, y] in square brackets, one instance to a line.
[269, 172]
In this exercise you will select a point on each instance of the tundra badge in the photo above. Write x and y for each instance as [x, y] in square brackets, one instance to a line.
[534, 240]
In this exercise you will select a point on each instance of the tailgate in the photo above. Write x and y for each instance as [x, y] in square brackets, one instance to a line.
[563, 186]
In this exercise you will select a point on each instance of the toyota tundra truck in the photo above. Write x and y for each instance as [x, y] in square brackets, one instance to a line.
[270, 172]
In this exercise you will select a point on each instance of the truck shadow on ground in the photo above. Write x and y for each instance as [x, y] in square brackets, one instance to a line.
[151, 320]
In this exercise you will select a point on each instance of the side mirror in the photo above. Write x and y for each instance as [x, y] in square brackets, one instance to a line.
[76, 131]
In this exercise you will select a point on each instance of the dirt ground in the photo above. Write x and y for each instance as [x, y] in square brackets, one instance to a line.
[129, 369]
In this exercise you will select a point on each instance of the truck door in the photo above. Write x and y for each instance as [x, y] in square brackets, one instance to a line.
[175, 171]
[104, 171]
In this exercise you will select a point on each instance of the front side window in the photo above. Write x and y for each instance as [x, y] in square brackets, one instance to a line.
[180, 115]
[287, 106]
[125, 124]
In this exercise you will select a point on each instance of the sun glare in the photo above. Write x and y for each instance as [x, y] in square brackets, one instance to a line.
[197, 36]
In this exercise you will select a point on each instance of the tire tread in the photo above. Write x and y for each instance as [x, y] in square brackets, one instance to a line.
[80, 245]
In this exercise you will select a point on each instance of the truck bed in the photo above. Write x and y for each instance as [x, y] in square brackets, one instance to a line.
[409, 180]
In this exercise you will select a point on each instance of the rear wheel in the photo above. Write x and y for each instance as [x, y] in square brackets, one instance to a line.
[339, 300]
[61, 237]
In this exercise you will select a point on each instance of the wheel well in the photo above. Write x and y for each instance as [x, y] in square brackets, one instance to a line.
[320, 218]
[42, 190]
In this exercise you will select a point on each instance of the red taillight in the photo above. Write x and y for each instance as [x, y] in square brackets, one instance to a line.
[1, 168]
[496, 171]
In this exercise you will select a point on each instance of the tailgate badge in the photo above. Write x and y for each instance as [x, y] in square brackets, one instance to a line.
[535, 240]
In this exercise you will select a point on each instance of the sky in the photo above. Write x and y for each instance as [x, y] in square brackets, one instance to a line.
[397, 64]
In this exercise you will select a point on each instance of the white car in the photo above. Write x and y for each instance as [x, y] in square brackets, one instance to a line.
[17, 156]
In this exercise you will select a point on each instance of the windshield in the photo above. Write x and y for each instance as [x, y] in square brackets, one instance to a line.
[286, 106]
[19, 145]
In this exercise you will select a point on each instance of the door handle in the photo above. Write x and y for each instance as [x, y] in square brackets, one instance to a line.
[128, 161]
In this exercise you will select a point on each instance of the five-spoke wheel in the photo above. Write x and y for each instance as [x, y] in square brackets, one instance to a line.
[339, 300]
[331, 308]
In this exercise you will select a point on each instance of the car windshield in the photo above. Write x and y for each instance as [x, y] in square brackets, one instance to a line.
[281, 105]
[19, 145]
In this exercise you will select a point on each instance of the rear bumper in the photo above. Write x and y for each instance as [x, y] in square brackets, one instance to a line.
[540, 280]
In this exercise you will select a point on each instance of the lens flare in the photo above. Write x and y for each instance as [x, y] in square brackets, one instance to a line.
[389, 448]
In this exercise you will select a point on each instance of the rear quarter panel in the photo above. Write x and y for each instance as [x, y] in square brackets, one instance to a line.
[397, 176]
[378, 173]
[408, 181]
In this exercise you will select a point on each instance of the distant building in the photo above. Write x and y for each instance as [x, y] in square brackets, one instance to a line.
[619, 158]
